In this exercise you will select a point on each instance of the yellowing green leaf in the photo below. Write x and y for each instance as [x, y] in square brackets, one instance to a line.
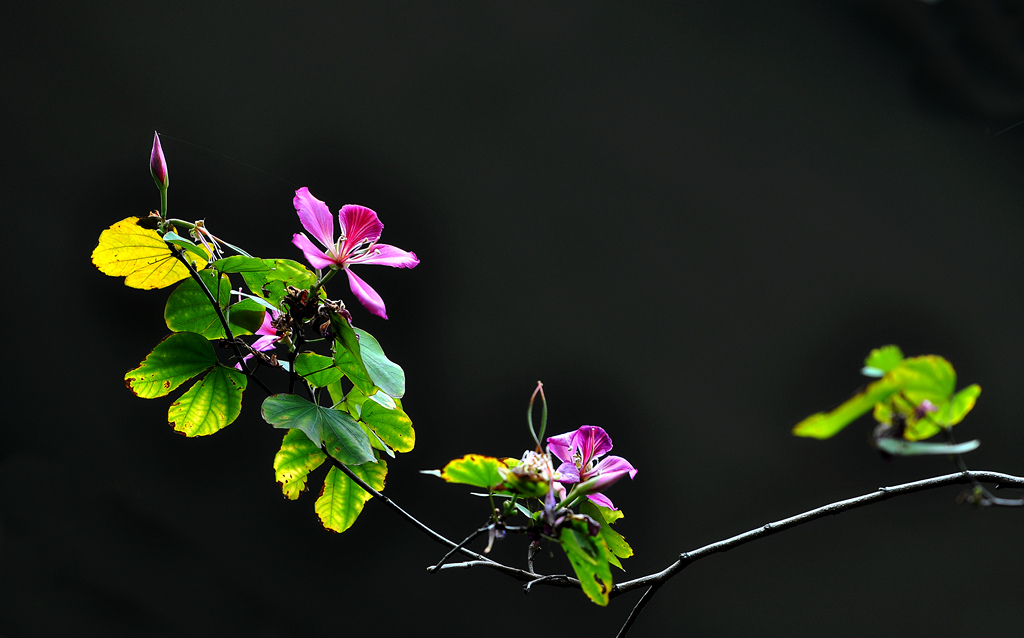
[394, 427]
[473, 469]
[210, 405]
[341, 500]
[294, 461]
[617, 545]
[958, 406]
[139, 255]
[824, 425]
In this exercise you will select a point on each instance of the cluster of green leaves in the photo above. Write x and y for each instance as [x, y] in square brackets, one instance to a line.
[917, 393]
[587, 539]
[365, 415]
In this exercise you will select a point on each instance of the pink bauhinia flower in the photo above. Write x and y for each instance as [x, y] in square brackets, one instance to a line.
[580, 452]
[360, 230]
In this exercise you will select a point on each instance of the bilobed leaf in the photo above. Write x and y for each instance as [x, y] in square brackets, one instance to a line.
[882, 360]
[189, 309]
[341, 500]
[384, 373]
[140, 255]
[209, 405]
[590, 560]
[172, 362]
[294, 461]
[317, 369]
[340, 433]
[473, 469]
[394, 427]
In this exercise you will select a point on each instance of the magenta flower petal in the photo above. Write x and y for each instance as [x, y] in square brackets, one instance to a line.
[358, 224]
[602, 500]
[316, 257]
[593, 441]
[264, 343]
[561, 445]
[267, 327]
[568, 472]
[610, 470]
[366, 295]
[385, 255]
[315, 217]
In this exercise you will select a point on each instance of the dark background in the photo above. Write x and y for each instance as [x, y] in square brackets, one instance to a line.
[691, 220]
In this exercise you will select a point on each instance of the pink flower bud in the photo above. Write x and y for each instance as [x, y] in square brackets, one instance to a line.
[157, 163]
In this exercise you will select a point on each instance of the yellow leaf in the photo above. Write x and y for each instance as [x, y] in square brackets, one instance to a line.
[140, 255]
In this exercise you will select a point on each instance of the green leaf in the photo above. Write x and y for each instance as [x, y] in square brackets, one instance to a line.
[294, 461]
[590, 560]
[342, 435]
[617, 545]
[272, 283]
[240, 263]
[882, 360]
[824, 425]
[384, 373]
[317, 369]
[473, 469]
[188, 308]
[394, 427]
[341, 500]
[210, 405]
[172, 362]
[347, 355]
[954, 410]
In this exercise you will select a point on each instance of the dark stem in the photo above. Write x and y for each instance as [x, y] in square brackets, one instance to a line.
[464, 542]
[639, 607]
[179, 254]
[881, 494]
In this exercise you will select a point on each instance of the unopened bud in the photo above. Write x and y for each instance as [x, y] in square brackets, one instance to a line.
[157, 163]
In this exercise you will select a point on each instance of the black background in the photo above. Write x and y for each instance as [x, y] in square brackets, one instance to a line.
[690, 220]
